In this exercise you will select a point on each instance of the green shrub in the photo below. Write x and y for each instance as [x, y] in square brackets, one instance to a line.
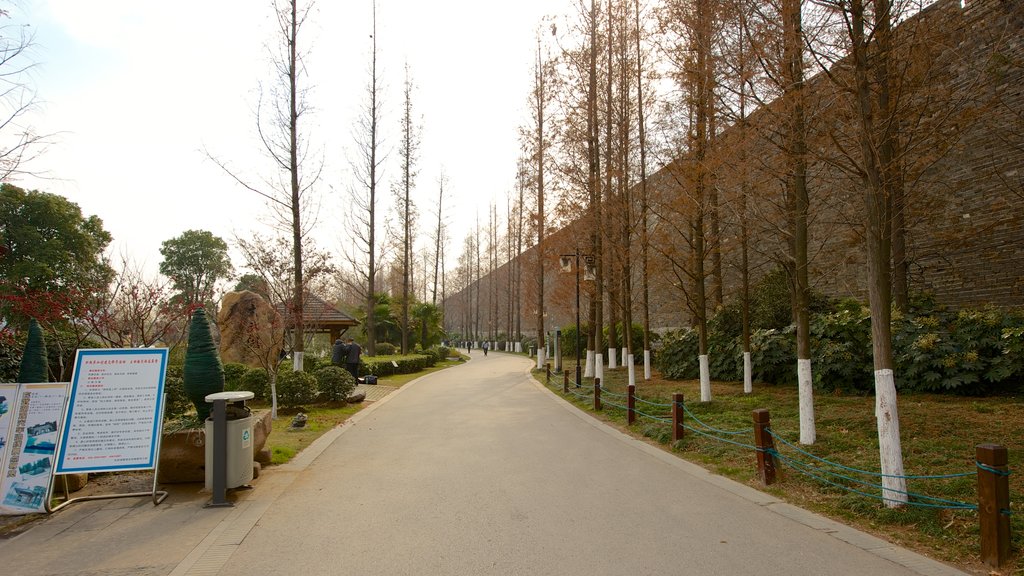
[10, 356]
[841, 349]
[386, 349]
[295, 388]
[33, 358]
[677, 358]
[233, 373]
[442, 352]
[257, 381]
[178, 403]
[313, 363]
[773, 355]
[386, 365]
[335, 383]
[969, 352]
[204, 373]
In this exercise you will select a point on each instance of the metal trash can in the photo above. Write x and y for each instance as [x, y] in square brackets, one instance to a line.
[239, 444]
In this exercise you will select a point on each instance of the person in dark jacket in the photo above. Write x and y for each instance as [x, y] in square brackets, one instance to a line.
[352, 358]
[339, 354]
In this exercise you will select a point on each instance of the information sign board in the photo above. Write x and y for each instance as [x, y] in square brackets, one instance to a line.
[114, 410]
[29, 452]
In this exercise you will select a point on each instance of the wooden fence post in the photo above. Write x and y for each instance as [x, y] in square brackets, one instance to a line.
[565, 381]
[677, 417]
[765, 446]
[631, 403]
[547, 373]
[597, 393]
[993, 503]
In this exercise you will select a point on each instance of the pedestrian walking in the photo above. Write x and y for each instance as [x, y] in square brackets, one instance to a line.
[487, 345]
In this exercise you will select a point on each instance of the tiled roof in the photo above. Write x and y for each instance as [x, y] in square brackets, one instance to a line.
[318, 311]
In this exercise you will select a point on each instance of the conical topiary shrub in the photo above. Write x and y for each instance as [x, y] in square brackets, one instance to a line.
[203, 373]
[33, 358]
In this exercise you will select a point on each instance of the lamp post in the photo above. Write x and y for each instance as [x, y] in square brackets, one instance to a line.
[566, 261]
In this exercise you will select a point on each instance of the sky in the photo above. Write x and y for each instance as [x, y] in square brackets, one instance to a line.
[134, 92]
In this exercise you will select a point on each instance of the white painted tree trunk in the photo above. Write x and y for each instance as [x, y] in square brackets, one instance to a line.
[599, 366]
[705, 379]
[540, 358]
[623, 354]
[889, 448]
[519, 347]
[273, 394]
[632, 369]
[805, 386]
[612, 360]
[748, 374]
[297, 361]
[647, 364]
[588, 370]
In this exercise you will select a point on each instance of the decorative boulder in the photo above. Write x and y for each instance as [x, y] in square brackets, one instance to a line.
[251, 331]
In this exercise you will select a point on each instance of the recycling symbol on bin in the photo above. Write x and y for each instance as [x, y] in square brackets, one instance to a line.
[245, 436]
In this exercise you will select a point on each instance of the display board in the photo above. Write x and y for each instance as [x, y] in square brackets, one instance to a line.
[8, 393]
[29, 445]
[113, 417]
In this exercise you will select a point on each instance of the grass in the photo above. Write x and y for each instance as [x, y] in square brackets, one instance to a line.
[939, 436]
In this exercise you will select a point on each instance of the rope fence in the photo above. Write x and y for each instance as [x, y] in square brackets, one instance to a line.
[991, 469]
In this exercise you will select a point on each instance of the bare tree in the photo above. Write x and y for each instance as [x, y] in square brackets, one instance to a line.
[439, 234]
[283, 140]
[19, 142]
[408, 150]
[365, 255]
[540, 98]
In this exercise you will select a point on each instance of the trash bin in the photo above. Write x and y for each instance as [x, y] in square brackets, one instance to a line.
[238, 439]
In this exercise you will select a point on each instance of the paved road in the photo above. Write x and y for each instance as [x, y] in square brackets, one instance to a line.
[477, 470]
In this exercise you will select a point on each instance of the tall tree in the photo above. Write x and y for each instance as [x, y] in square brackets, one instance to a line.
[798, 204]
[408, 152]
[365, 257]
[540, 97]
[644, 236]
[439, 233]
[195, 261]
[285, 142]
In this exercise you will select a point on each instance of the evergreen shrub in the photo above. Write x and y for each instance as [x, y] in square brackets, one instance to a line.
[334, 383]
[296, 389]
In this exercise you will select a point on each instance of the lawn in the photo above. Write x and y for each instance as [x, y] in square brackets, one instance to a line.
[939, 435]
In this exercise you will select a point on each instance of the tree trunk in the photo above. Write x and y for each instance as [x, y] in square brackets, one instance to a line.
[799, 202]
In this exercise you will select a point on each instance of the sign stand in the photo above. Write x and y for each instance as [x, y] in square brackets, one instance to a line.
[113, 419]
[158, 496]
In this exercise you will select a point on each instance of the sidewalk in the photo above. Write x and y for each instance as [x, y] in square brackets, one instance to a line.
[131, 536]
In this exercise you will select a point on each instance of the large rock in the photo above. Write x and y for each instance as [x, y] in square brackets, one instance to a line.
[251, 331]
[183, 453]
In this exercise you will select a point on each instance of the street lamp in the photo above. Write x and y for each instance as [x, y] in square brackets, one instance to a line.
[566, 261]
